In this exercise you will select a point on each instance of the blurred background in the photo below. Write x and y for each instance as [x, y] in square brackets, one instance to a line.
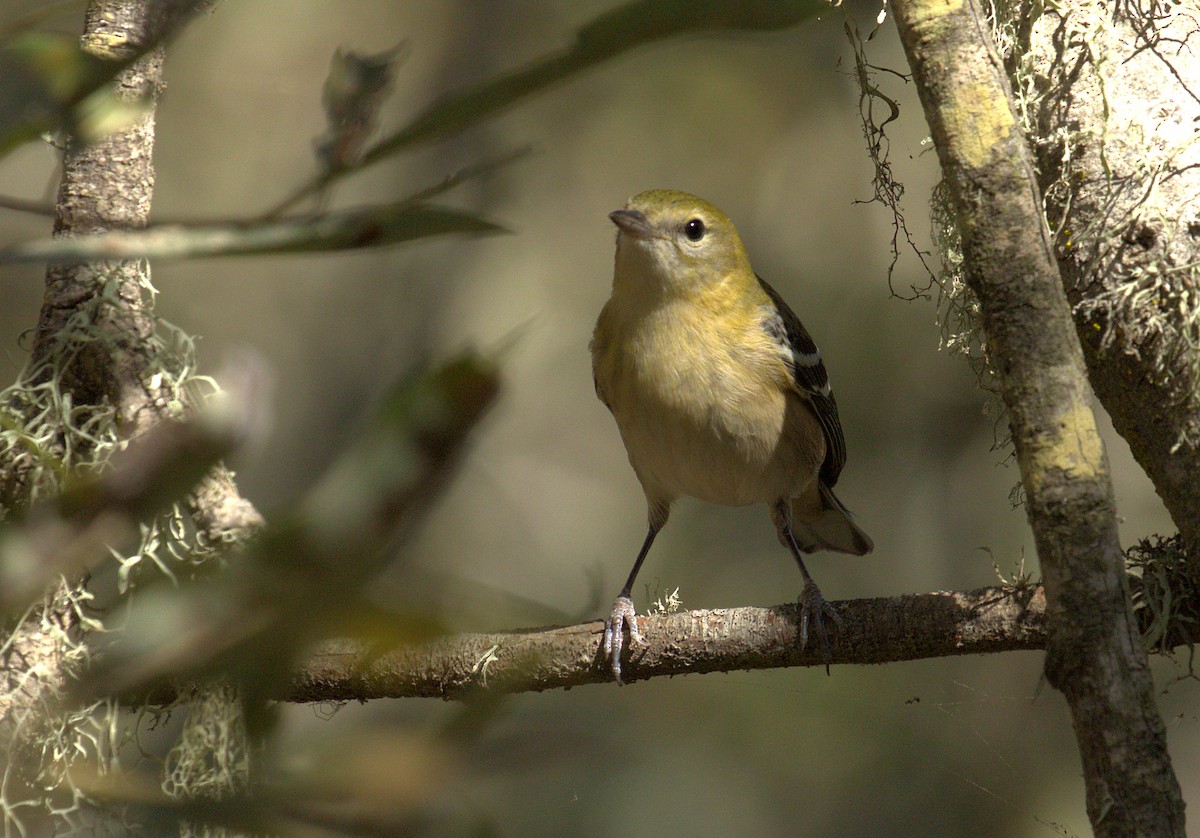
[545, 517]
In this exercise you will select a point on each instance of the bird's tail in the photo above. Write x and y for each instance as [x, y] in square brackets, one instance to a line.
[821, 522]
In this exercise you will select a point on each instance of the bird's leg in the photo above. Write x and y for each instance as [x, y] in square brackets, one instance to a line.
[623, 614]
[813, 605]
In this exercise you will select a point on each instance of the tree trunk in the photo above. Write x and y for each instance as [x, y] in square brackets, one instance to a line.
[1094, 652]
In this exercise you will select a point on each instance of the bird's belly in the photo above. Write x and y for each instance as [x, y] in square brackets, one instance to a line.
[723, 448]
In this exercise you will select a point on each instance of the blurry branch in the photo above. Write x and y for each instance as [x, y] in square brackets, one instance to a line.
[372, 226]
[26, 206]
[1094, 653]
[617, 31]
[376, 781]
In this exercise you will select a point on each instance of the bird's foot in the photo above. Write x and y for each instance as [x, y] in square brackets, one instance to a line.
[623, 616]
[813, 609]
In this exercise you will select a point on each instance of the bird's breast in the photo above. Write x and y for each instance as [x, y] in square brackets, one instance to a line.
[703, 408]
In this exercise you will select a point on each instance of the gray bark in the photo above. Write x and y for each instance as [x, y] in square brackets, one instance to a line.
[1110, 95]
[1094, 651]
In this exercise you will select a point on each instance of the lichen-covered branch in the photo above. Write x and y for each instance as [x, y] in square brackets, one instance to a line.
[911, 627]
[104, 186]
[102, 370]
[1094, 654]
[1109, 96]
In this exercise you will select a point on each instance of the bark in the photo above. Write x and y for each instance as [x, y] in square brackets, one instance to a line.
[104, 186]
[1111, 102]
[718, 640]
[96, 339]
[911, 627]
[1094, 654]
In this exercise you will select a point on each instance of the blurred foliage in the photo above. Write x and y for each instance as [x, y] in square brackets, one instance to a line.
[47, 78]
[965, 747]
[622, 29]
[303, 577]
[300, 580]
[53, 85]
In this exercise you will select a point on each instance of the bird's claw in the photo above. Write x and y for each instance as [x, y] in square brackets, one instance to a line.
[623, 616]
[814, 608]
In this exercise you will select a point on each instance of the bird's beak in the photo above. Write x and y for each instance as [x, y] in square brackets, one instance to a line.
[634, 223]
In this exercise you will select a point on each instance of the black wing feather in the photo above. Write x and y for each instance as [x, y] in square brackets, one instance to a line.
[808, 371]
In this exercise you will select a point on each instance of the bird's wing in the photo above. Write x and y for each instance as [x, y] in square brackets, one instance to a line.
[598, 347]
[809, 378]
[600, 393]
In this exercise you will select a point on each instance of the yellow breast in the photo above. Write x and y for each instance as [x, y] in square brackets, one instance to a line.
[703, 403]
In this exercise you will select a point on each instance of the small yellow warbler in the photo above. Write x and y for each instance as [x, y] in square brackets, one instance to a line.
[718, 391]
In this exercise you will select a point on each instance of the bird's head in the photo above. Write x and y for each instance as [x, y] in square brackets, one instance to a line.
[676, 242]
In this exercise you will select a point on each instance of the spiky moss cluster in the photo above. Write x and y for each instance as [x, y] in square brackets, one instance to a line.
[1166, 596]
[36, 782]
[45, 436]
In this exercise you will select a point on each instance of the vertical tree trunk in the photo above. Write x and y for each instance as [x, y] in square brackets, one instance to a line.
[97, 348]
[1094, 653]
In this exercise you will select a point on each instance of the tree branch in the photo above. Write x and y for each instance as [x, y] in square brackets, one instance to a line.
[910, 627]
[373, 226]
[1114, 117]
[95, 194]
[1094, 654]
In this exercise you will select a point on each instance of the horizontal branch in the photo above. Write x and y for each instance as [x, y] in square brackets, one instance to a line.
[883, 630]
[351, 229]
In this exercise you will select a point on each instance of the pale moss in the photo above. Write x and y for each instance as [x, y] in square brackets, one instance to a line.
[44, 436]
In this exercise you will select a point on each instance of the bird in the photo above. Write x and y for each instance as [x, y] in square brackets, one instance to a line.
[719, 393]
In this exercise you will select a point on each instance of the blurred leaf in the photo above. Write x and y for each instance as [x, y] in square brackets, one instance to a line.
[379, 488]
[103, 113]
[36, 17]
[620, 30]
[354, 90]
[45, 75]
[301, 578]
[141, 793]
[387, 627]
[345, 230]
[380, 775]
[610, 34]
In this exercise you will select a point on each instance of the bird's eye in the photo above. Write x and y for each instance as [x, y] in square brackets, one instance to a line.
[694, 229]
